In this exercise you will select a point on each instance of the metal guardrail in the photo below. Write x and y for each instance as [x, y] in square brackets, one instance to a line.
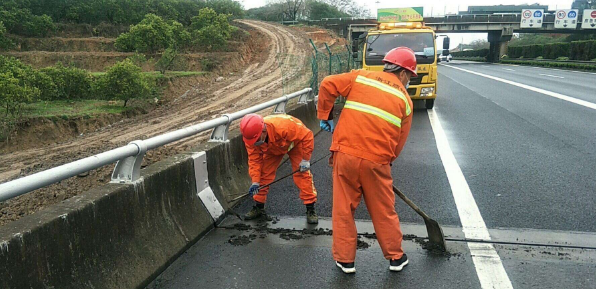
[130, 157]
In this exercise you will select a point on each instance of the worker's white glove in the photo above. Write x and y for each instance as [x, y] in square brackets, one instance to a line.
[304, 165]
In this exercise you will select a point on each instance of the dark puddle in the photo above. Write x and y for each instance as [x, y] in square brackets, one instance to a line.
[261, 230]
[291, 236]
[361, 245]
[242, 240]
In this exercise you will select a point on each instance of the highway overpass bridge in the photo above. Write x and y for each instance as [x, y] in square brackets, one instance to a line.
[500, 28]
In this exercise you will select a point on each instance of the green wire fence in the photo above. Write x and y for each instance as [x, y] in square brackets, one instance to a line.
[299, 71]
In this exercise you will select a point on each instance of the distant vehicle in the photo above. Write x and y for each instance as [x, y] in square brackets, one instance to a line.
[445, 58]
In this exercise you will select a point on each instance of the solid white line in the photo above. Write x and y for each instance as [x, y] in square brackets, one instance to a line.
[489, 267]
[547, 68]
[550, 75]
[532, 88]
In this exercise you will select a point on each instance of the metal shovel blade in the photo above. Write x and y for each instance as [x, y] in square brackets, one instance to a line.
[435, 232]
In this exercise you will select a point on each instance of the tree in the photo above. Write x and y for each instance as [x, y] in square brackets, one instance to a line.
[350, 7]
[317, 10]
[269, 12]
[479, 44]
[23, 22]
[210, 29]
[28, 77]
[5, 42]
[151, 35]
[292, 9]
[181, 38]
[71, 82]
[124, 81]
[13, 94]
[167, 60]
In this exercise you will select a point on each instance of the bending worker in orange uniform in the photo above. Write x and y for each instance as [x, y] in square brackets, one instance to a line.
[267, 140]
[370, 134]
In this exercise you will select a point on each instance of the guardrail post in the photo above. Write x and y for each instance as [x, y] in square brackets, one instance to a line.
[303, 98]
[220, 133]
[280, 108]
[128, 170]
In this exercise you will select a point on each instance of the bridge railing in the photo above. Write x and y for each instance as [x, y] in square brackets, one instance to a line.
[130, 157]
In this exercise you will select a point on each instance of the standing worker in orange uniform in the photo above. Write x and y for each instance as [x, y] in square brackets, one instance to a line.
[267, 140]
[370, 134]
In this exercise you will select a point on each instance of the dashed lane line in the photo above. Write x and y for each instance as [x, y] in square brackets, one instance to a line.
[550, 75]
[532, 88]
[487, 262]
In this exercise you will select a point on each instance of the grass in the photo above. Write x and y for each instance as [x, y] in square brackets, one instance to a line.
[67, 108]
[168, 74]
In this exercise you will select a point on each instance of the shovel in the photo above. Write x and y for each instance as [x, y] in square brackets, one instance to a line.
[435, 233]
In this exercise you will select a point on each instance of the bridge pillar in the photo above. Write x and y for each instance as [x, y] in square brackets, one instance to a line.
[498, 40]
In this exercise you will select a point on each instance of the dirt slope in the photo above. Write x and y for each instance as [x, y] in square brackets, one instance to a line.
[260, 81]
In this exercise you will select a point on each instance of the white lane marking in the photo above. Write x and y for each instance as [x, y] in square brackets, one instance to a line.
[489, 267]
[532, 88]
[547, 68]
[508, 69]
[550, 75]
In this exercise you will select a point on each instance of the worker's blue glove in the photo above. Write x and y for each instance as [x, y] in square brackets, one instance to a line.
[327, 125]
[254, 189]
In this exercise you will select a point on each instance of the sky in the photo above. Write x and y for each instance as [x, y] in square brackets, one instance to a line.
[440, 7]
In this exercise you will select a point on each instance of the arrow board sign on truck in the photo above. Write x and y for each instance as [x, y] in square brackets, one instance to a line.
[566, 19]
[589, 20]
[532, 18]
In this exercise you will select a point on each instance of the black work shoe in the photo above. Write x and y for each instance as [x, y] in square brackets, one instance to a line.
[311, 215]
[348, 268]
[399, 264]
[254, 213]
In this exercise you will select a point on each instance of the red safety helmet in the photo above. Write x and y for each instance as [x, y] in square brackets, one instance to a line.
[403, 57]
[251, 127]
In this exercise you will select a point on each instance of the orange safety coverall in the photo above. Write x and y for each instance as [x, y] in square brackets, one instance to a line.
[370, 134]
[285, 135]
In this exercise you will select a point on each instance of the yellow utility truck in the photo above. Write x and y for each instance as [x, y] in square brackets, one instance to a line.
[408, 30]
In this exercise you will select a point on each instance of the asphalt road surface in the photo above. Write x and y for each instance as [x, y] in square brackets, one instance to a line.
[507, 157]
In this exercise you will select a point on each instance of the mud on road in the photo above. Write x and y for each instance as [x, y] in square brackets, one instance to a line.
[257, 78]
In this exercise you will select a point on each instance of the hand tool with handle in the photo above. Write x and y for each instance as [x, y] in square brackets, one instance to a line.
[435, 232]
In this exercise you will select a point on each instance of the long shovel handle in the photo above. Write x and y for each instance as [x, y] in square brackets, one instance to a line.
[264, 186]
[410, 203]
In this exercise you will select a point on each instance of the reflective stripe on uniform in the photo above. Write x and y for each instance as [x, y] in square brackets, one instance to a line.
[374, 111]
[386, 88]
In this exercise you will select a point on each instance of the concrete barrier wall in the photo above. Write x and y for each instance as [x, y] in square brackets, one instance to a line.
[123, 236]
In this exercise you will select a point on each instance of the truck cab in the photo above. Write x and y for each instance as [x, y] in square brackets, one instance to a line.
[373, 46]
